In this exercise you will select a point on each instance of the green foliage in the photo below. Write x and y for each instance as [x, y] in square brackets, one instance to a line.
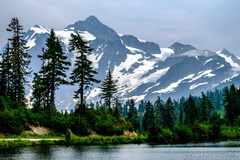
[201, 132]
[169, 116]
[182, 133]
[160, 135]
[17, 143]
[108, 89]
[12, 121]
[190, 110]
[68, 137]
[206, 108]
[132, 114]
[100, 140]
[229, 132]
[232, 104]
[6, 73]
[148, 118]
[107, 126]
[79, 125]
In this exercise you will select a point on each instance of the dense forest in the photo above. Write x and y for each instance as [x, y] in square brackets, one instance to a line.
[213, 115]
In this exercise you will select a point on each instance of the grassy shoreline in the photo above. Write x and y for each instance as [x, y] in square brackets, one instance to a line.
[76, 140]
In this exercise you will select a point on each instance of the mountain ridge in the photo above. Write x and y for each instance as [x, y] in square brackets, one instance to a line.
[142, 70]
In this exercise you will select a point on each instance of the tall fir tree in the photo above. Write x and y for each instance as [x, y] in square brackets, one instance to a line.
[231, 104]
[6, 73]
[20, 60]
[190, 111]
[148, 118]
[170, 113]
[53, 68]
[38, 97]
[108, 89]
[132, 114]
[117, 107]
[180, 115]
[159, 111]
[141, 106]
[83, 73]
[206, 108]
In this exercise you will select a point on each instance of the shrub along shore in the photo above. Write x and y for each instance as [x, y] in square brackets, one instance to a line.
[182, 134]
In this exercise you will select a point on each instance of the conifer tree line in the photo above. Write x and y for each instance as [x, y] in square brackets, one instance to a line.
[190, 118]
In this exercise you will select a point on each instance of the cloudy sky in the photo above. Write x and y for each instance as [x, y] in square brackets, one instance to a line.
[205, 24]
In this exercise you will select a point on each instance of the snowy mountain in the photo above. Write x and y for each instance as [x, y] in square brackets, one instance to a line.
[142, 69]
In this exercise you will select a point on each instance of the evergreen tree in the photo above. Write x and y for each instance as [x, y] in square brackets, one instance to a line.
[108, 89]
[117, 107]
[206, 108]
[6, 73]
[159, 111]
[231, 104]
[125, 110]
[141, 106]
[20, 60]
[53, 68]
[38, 97]
[83, 74]
[170, 115]
[148, 118]
[190, 110]
[181, 115]
[132, 114]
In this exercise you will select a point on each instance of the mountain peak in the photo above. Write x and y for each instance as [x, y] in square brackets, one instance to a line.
[95, 27]
[92, 19]
[39, 29]
[225, 51]
[181, 48]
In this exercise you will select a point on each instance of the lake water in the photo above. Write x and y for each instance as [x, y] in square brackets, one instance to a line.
[199, 151]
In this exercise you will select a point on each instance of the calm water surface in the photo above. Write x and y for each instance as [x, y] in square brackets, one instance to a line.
[205, 151]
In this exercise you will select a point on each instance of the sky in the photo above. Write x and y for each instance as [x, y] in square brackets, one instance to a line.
[204, 24]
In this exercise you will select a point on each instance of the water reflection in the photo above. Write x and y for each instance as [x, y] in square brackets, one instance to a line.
[219, 150]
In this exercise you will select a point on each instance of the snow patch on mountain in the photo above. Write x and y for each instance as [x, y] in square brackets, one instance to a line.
[201, 74]
[208, 61]
[134, 50]
[228, 59]
[64, 36]
[165, 53]
[31, 42]
[197, 85]
[94, 93]
[138, 98]
[174, 85]
[39, 29]
[220, 67]
[131, 59]
[141, 40]
[154, 76]
[95, 58]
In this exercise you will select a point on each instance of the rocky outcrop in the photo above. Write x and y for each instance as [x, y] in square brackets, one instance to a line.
[37, 130]
[130, 134]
